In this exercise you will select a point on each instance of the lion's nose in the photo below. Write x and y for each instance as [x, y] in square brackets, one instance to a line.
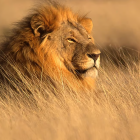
[94, 56]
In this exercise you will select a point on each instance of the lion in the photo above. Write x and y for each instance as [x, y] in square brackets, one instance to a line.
[55, 43]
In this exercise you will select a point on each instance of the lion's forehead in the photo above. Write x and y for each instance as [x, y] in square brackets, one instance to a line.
[75, 31]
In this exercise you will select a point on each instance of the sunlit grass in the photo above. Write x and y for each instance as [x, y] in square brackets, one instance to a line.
[110, 112]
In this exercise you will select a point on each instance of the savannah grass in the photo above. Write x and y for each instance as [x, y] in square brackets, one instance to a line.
[111, 112]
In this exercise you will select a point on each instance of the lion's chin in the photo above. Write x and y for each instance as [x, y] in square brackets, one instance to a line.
[92, 73]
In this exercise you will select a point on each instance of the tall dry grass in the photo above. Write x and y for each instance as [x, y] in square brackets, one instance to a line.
[111, 112]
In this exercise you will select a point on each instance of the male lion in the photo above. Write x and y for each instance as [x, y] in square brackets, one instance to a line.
[52, 42]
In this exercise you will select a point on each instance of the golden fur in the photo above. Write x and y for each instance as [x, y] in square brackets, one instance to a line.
[40, 45]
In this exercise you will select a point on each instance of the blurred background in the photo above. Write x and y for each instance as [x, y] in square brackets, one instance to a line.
[116, 22]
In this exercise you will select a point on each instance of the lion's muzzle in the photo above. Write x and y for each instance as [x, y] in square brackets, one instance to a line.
[89, 61]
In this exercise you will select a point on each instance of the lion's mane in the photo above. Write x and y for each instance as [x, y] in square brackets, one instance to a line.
[24, 49]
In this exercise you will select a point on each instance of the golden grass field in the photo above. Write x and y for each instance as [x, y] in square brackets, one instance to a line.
[111, 112]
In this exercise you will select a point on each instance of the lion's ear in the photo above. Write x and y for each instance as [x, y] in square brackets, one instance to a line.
[37, 25]
[87, 24]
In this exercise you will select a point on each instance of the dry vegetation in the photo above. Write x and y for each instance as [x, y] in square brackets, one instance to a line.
[111, 112]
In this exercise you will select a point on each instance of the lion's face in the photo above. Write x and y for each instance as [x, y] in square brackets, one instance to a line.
[66, 39]
[76, 50]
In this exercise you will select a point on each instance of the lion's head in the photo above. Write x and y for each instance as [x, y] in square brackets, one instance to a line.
[56, 41]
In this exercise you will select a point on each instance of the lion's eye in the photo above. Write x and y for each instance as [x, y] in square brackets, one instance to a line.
[89, 37]
[71, 40]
